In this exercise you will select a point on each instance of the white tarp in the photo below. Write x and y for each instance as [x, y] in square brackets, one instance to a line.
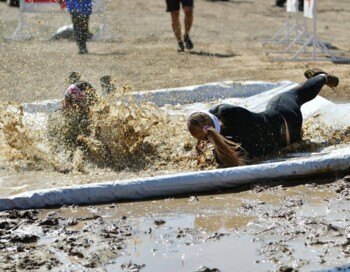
[183, 183]
[310, 8]
[330, 160]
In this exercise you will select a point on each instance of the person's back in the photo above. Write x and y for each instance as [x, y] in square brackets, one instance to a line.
[257, 133]
[82, 6]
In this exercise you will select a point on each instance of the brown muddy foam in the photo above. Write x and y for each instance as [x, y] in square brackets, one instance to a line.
[117, 136]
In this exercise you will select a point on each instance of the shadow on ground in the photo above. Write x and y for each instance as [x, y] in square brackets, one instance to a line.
[214, 55]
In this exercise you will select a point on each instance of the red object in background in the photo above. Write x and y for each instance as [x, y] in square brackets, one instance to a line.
[63, 5]
[40, 1]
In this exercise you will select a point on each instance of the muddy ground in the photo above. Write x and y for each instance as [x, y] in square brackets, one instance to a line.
[288, 226]
[263, 227]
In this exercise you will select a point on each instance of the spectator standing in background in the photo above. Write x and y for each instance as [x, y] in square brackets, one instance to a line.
[173, 6]
[80, 11]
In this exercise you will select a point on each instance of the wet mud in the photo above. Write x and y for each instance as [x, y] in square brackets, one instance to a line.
[261, 227]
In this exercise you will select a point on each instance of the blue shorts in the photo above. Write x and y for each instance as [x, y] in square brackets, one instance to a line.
[174, 5]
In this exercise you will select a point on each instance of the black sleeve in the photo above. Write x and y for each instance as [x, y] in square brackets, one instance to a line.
[219, 109]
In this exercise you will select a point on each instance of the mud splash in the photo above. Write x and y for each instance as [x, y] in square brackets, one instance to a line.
[19, 146]
[116, 133]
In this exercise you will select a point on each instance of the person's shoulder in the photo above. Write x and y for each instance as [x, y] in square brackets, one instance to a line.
[223, 107]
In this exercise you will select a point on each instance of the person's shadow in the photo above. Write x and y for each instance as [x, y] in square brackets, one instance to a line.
[213, 55]
[107, 53]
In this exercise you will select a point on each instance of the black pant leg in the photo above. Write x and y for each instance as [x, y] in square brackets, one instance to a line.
[288, 104]
[80, 28]
[308, 90]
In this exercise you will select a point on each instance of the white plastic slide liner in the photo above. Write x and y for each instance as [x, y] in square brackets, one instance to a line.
[330, 160]
[183, 183]
[185, 95]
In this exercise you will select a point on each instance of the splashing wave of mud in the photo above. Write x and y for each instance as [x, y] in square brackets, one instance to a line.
[122, 135]
[19, 146]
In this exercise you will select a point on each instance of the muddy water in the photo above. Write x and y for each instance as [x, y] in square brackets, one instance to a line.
[266, 227]
[195, 232]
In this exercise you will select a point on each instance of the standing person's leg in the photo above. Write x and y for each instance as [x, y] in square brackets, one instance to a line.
[188, 19]
[85, 32]
[78, 28]
[188, 10]
[75, 21]
[173, 6]
[175, 24]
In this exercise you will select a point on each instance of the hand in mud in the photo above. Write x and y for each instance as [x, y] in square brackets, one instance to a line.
[201, 146]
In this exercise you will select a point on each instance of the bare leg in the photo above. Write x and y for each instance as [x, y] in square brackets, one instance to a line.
[175, 23]
[188, 19]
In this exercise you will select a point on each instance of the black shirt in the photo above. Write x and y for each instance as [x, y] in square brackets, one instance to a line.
[258, 133]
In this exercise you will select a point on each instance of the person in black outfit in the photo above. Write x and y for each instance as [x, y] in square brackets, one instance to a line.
[235, 131]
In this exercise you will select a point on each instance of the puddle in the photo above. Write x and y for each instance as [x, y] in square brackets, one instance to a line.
[165, 248]
[262, 229]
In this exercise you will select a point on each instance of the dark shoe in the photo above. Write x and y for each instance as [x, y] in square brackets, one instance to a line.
[331, 80]
[180, 47]
[83, 51]
[188, 42]
[82, 47]
[311, 72]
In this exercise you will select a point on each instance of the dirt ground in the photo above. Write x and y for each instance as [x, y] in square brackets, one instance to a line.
[226, 37]
[265, 227]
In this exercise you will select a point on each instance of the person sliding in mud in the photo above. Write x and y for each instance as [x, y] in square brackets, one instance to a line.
[72, 121]
[236, 132]
[79, 97]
